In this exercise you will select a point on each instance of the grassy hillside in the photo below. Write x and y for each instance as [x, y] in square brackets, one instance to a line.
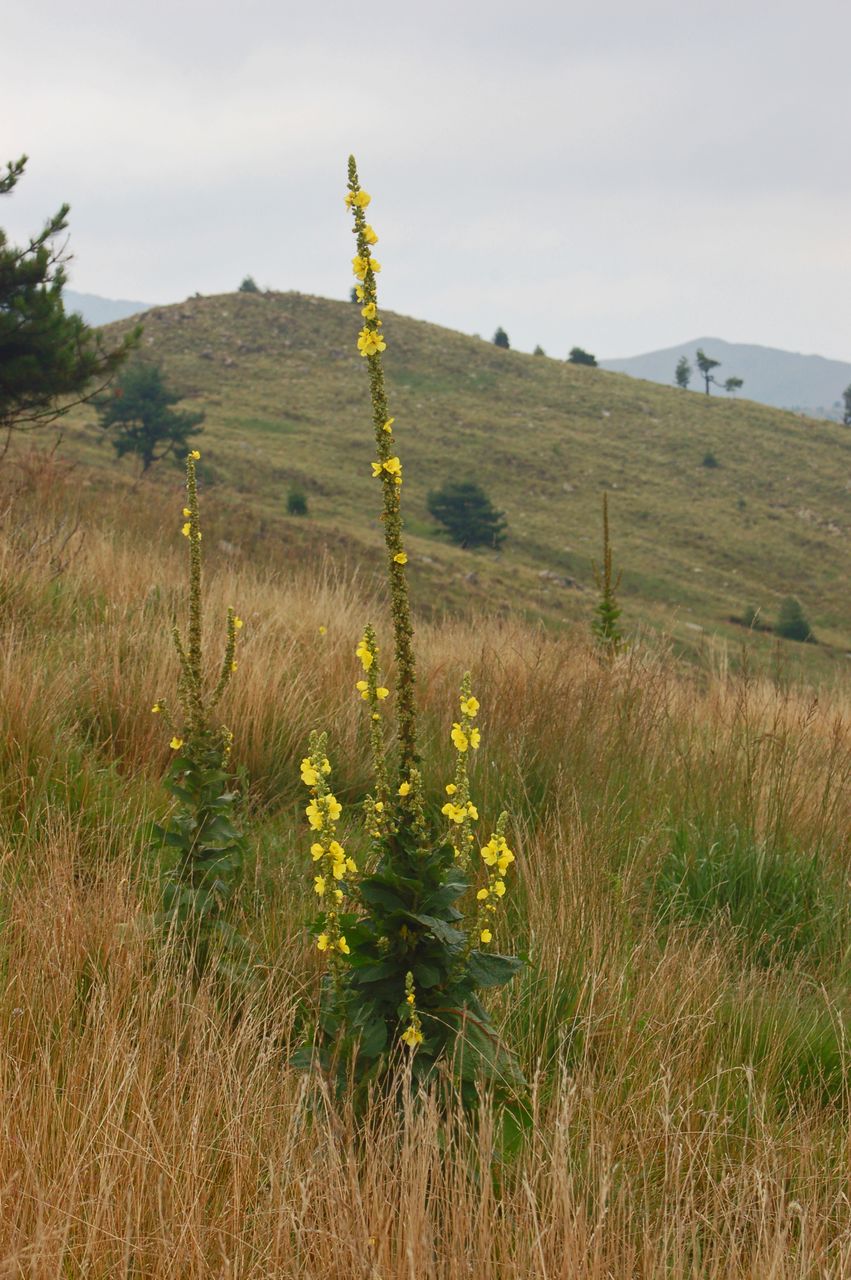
[680, 892]
[287, 402]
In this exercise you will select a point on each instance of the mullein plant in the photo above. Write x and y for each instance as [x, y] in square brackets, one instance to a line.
[202, 833]
[606, 627]
[408, 937]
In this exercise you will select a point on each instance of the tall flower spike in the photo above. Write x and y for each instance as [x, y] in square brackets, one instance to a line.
[497, 858]
[331, 865]
[459, 808]
[373, 694]
[388, 469]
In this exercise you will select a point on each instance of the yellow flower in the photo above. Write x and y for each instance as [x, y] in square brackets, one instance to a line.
[363, 650]
[499, 888]
[342, 945]
[156, 708]
[186, 511]
[370, 342]
[233, 666]
[401, 557]
[316, 851]
[326, 766]
[334, 807]
[369, 311]
[195, 455]
[322, 630]
[393, 467]
[351, 866]
[359, 266]
[186, 529]
[455, 812]
[359, 292]
[238, 623]
[459, 738]
[176, 744]
[374, 266]
[363, 689]
[482, 894]
[369, 235]
[309, 775]
[388, 424]
[322, 942]
[359, 198]
[451, 788]
[382, 693]
[338, 895]
[336, 851]
[472, 811]
[314, 816]
[412, 1036]
[405, 789]
[475, 739]
[319, 885]
[485, 935]
[469, 706]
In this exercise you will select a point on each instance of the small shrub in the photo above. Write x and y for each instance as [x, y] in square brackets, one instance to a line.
[500, 339]
[791, 623]
[606, 626]
[249, 285]
[296, 502]
[709, 460]
[578, 356]
[539, 351]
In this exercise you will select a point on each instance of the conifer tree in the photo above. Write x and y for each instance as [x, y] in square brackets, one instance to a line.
[49, 360]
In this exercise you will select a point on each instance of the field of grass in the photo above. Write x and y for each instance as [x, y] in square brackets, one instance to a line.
[287, 403]
[681, 887]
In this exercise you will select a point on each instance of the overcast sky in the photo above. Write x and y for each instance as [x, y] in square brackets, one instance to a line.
[621, 174]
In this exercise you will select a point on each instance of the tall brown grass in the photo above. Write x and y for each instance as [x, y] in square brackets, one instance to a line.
[688, 1108]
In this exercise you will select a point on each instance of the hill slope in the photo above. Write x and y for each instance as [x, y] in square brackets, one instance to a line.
[785, 379]
[286, 397]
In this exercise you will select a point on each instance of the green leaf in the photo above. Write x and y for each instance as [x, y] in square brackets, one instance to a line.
[439, 929]
[487, 969]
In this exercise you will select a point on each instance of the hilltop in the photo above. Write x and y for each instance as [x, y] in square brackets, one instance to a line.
[785, 379]
[286, 398]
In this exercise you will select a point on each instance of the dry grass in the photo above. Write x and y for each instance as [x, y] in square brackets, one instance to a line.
[688, 1107]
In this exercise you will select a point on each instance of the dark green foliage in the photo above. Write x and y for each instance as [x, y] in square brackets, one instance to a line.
[732, 385]
[607, 611]
[791, 623]
[296, 502]
[781, 902]
[48, 360]
[209, 851]
[578, 356]
[353, 295]
[682, 373]
[249, 285]
[846, 398]
[539, 351]
[411, 925]
[706, 365]
[500, 339]
[138, 413]
[468, 514]
[709, 460]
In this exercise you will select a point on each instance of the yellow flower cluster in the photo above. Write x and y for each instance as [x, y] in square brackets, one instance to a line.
[497, 858]
[332, 864]
[389, 466]
[459, 809]
[370, 341]
[374, 694]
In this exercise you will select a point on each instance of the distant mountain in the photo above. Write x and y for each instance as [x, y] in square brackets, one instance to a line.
[784, 379]
[95, 310]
